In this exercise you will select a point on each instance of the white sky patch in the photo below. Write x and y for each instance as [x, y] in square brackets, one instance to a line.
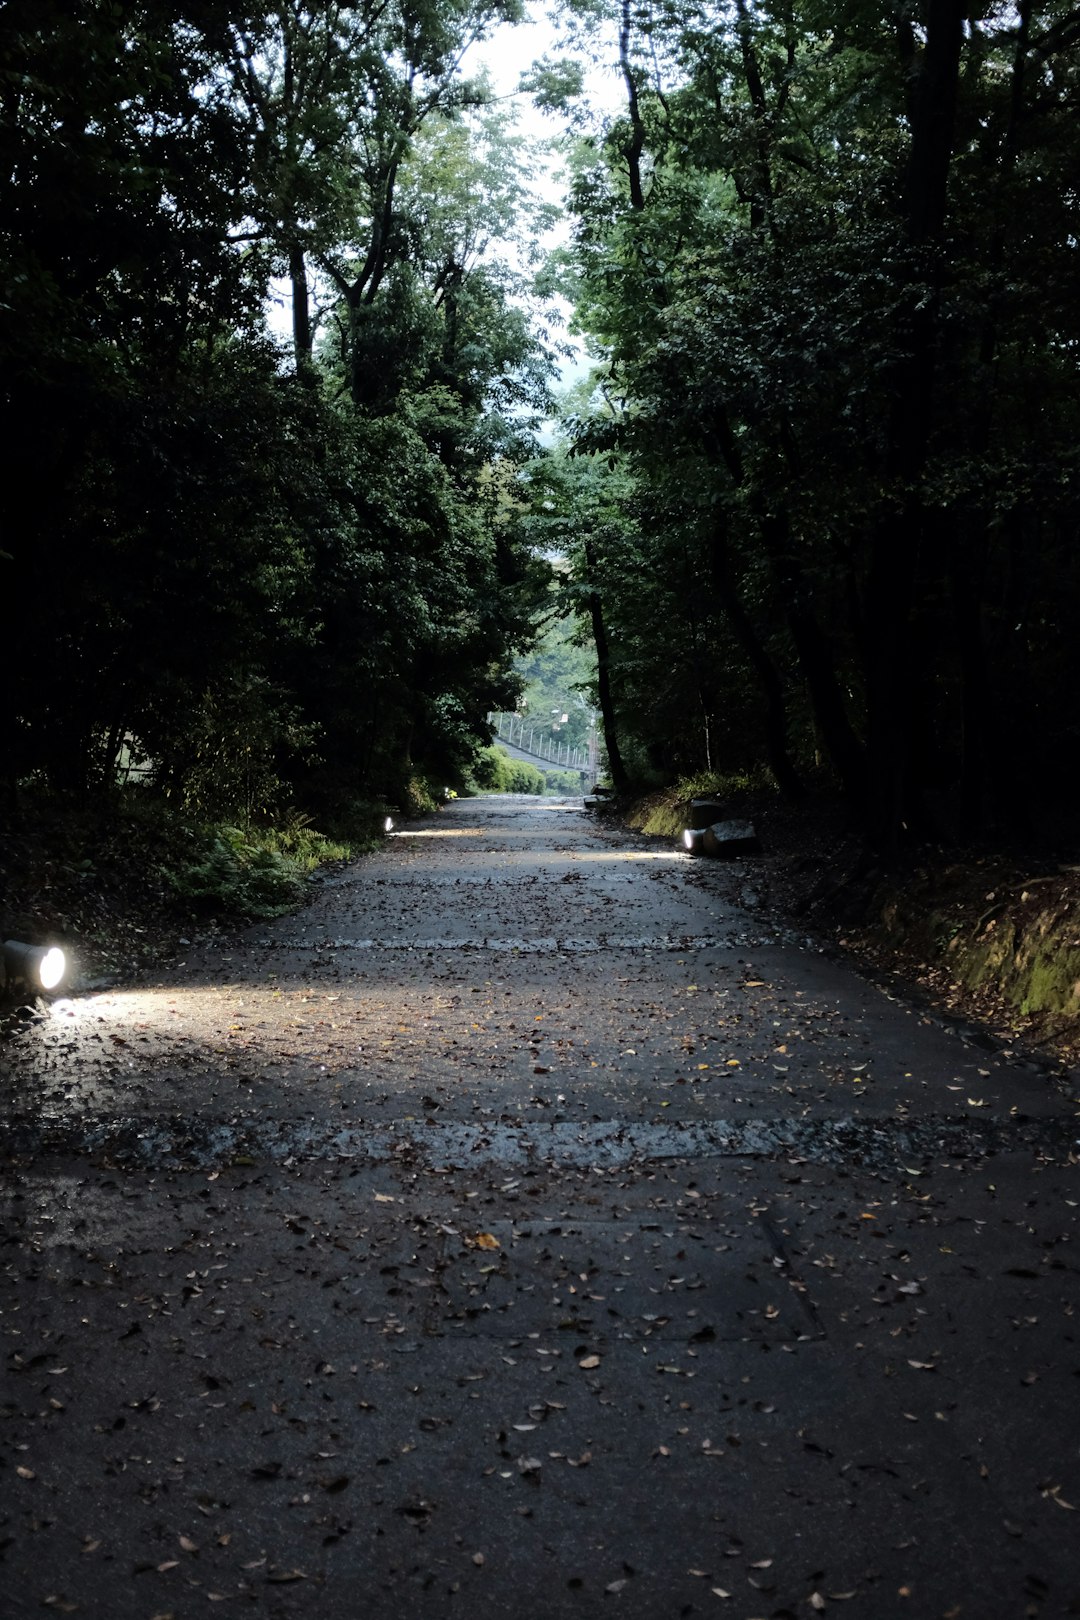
[510, 52]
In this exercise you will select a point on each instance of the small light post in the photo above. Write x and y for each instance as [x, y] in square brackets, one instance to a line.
[41, 967]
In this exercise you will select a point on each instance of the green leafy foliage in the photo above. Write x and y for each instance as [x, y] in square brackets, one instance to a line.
[250, 872]
[227, 873]
[272, 581]
[494, 771]
[822, 262]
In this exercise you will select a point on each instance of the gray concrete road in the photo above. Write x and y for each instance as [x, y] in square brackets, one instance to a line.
[532, 1226]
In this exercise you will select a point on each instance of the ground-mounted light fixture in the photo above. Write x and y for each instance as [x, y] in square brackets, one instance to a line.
[40, 967]
[388, 824]
[723, 838]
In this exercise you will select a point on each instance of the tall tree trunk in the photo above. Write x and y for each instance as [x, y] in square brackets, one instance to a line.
[301, 311]
[968, 544]
[636, 143]
[768, 676]
[603, 673]
[815, 661]
[965, 580]
[760, 188]
[892, 584]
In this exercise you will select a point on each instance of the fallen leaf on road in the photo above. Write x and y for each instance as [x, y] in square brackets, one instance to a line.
[589, 1362]
[486, 1240]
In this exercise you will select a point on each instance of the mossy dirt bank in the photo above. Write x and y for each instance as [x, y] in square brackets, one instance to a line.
[1003, 938]
[989, 936]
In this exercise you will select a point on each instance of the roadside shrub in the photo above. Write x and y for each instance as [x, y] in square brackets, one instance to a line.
[562, 782]
[228, 872]
[490, 771]
[418, 797]
[664, 812]
[293, 836]
[494, 771]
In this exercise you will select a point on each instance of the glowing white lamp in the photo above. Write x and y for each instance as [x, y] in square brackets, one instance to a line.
[40, 966]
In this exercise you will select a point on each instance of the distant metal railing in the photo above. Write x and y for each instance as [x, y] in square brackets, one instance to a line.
[516, 730]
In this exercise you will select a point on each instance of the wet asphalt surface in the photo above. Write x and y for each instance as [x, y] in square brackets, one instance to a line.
[532, 1223]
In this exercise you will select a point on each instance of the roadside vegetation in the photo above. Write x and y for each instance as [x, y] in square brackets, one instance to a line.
[985, 933]
[122, 877]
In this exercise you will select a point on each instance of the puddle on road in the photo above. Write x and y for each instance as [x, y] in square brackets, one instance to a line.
[873, 1144]
[546, 944]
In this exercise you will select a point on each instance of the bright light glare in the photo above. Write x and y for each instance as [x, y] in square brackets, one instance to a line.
[52, 968]
[39, 966]
[440, 832]
[632, 855]
[388, 824]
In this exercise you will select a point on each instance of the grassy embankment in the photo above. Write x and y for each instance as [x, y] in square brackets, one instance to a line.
[987, 935]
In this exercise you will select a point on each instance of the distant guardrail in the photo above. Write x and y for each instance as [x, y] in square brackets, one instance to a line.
[516, 731]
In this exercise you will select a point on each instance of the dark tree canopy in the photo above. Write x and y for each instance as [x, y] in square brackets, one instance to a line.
[821, 504]
[276, 575]
[828, 260]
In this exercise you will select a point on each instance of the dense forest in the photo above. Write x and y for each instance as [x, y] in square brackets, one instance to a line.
[815, 507]
[828, 258]
[273, 573]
